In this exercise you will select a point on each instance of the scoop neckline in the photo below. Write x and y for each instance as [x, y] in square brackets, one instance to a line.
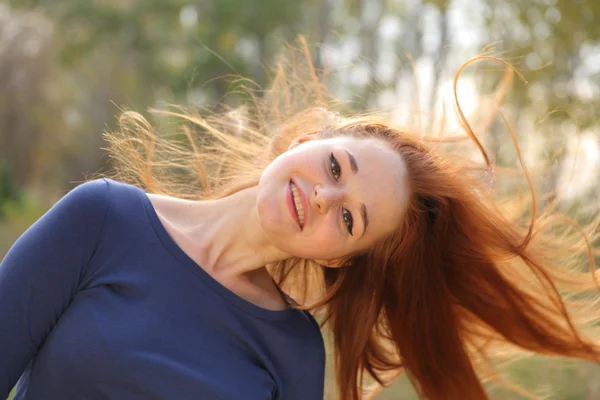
[185, 260]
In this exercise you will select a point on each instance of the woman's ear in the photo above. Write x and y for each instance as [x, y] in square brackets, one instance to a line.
[305, 137]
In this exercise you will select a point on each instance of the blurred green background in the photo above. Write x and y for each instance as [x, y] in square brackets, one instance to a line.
[68, 66]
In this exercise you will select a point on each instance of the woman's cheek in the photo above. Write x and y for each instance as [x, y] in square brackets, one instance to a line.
[327, 240]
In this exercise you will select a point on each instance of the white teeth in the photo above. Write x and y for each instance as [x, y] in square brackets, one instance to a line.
[298, 204]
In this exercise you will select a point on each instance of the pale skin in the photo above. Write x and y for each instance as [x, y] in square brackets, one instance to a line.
[339, 179]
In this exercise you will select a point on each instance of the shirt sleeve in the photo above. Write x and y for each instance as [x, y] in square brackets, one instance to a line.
[312, 384]
[41, 272]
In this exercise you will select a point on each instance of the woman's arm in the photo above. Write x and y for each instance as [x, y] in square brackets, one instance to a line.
[41, 273]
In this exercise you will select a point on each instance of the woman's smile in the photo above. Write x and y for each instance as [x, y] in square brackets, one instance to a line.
[296, 204]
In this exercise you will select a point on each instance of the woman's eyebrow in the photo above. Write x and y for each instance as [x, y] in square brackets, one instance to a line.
[353, 164]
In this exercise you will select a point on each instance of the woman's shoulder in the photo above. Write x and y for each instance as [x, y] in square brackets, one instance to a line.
[99, 188]
[121, 206]
[310, 333]
[106, 194]
[85, 202]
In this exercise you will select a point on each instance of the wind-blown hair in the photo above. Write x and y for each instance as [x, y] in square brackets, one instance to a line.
[465, 282]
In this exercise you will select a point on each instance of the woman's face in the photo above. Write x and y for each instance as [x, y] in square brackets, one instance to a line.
[324, 199]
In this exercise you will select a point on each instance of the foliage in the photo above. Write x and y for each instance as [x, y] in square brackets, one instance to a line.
[8, 191]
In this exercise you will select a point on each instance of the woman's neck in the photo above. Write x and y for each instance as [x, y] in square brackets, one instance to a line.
[224, 236]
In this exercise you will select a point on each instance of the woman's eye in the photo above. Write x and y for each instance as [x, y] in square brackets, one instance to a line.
[348, 220]
[335, 167]
[336, 171]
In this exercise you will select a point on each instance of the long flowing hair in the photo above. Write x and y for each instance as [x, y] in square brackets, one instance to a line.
[469, 279]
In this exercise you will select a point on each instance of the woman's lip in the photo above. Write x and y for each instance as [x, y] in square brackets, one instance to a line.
[303, 201]
[291, 206]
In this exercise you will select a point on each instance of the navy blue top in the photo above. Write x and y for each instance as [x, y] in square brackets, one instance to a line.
[97, 301]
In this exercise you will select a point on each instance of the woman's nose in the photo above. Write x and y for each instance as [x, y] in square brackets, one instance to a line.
[326, 196]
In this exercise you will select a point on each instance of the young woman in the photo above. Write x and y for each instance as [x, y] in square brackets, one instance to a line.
[174, 285]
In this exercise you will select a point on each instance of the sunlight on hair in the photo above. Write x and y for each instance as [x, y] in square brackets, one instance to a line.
[486, 269]
[585, 155]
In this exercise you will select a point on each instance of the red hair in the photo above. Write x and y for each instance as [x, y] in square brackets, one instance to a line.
[455, 279]
[461, 283]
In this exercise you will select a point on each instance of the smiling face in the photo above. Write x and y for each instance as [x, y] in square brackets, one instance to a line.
[324, 199]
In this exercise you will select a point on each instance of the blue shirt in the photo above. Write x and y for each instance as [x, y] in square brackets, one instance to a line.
[97, 301]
